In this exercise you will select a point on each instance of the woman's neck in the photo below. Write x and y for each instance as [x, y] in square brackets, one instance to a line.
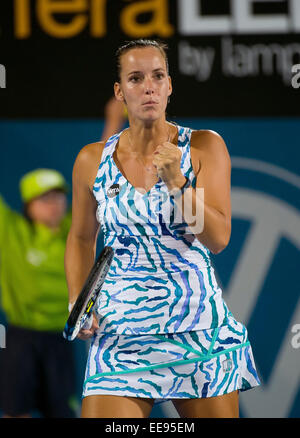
[143, 139]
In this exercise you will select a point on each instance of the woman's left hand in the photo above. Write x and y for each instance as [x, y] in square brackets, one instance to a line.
[167, 160]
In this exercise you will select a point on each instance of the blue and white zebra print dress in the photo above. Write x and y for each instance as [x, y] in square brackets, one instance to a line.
[161, 312]
[161, 279]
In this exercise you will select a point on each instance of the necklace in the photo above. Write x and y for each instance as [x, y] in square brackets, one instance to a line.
[139, 158]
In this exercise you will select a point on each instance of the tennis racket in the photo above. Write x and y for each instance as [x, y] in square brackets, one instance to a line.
[82, 310]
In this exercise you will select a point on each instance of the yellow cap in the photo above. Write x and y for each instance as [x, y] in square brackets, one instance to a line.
[40, 181]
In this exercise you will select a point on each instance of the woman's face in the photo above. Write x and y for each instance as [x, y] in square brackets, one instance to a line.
[145, 84]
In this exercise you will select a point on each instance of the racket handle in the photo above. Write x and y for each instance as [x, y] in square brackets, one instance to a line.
[88, 323]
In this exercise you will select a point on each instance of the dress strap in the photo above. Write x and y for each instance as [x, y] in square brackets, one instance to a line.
[110, 146]
[184, 143]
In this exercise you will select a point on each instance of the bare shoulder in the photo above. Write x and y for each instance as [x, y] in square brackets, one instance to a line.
[90, 153]
[208, 145]
[208, 141]
[87, 162]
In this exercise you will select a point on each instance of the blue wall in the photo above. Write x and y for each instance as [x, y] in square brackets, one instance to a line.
[265, 209]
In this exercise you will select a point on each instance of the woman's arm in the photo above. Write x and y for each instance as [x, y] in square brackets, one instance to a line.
[82, 237]
[207, 208]
[214, 177]
[115, 117]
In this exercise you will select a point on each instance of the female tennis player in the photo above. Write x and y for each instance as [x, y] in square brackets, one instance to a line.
[161, 194]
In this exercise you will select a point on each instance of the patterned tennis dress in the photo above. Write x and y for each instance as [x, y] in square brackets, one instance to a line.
[165, 330]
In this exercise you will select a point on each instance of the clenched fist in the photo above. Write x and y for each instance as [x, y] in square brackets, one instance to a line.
[167, 160]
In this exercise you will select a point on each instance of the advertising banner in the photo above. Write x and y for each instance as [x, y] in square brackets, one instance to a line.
[231, 58]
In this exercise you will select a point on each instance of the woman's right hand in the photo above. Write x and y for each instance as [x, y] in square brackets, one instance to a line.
[86, 333]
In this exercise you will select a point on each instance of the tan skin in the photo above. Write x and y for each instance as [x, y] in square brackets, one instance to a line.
[115, 117]
[145, 87]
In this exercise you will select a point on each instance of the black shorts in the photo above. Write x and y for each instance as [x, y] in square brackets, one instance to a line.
[37, 373]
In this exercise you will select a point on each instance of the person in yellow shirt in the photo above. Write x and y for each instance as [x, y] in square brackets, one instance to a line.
[36, 367]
